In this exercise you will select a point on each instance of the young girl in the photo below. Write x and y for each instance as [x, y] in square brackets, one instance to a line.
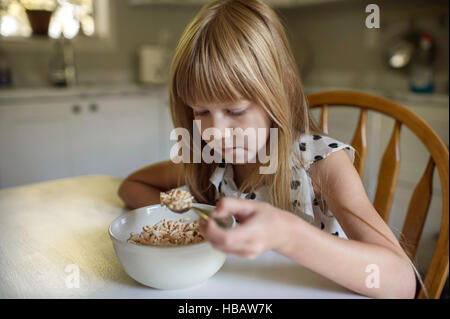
[233, 68]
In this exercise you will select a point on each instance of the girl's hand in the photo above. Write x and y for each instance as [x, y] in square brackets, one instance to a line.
[261, 227]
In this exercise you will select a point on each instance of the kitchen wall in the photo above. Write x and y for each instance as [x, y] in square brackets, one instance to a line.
[329, 40]
[334, 47]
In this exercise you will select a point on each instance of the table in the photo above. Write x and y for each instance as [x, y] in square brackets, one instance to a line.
[48, 227]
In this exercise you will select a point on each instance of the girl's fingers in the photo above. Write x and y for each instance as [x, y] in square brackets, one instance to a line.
[212, 232]
[240, 208]
[239, 247]
[246, 238]
[224, 238]
[237, 241]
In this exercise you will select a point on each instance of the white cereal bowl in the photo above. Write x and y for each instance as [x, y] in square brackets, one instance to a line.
[170, 267]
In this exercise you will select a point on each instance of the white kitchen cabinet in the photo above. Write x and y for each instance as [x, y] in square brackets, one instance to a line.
[113, 135]
[33, 143]
[118, 135]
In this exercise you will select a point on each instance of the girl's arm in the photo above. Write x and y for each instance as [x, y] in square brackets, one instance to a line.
[142, 187]
[264, 227]
[371, 240]
[366, 268]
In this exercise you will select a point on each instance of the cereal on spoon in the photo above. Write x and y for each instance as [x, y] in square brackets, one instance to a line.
[176, 199]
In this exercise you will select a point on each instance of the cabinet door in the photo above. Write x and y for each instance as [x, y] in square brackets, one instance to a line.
[116, 136]
[33, 143]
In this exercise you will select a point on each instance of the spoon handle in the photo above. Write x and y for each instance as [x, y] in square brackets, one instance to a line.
[203, 213]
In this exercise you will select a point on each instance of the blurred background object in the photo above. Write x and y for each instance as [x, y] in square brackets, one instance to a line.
[401, 50]
[414, 53]
[24, 18]
[39, 21]
[155, 58]
[39, 13]
[62, 64]
[5, 71]
[153, 64]
[422, 72]
[46, 5]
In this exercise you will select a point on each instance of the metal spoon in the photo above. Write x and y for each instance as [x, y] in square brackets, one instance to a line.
[205, 214]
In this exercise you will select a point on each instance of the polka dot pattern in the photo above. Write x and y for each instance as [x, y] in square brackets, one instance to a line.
[250, 196]
[295, 184]
[318, 158]
[333, 145]
[302, 147]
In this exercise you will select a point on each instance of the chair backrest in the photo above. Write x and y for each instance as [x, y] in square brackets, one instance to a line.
[389, 168]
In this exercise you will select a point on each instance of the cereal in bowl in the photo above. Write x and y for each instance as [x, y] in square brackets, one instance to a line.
[168, 233]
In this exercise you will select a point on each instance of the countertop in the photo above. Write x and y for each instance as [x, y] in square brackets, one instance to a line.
[27, 95]
[46, 227]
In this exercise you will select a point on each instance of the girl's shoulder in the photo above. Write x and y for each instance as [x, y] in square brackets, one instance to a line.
[315, 147]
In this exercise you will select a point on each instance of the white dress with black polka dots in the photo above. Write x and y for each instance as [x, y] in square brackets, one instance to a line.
[305, 203]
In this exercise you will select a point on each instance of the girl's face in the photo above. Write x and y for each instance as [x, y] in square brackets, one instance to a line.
[244, 115]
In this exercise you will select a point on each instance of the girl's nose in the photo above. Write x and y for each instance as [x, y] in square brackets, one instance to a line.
[221, 124]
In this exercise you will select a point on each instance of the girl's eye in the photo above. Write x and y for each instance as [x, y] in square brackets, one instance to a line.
[237, 113]
[203, 113]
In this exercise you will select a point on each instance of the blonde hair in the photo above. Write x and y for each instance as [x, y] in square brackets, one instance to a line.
[235, 49]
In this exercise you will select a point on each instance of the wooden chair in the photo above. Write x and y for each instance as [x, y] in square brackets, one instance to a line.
[389, 168]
